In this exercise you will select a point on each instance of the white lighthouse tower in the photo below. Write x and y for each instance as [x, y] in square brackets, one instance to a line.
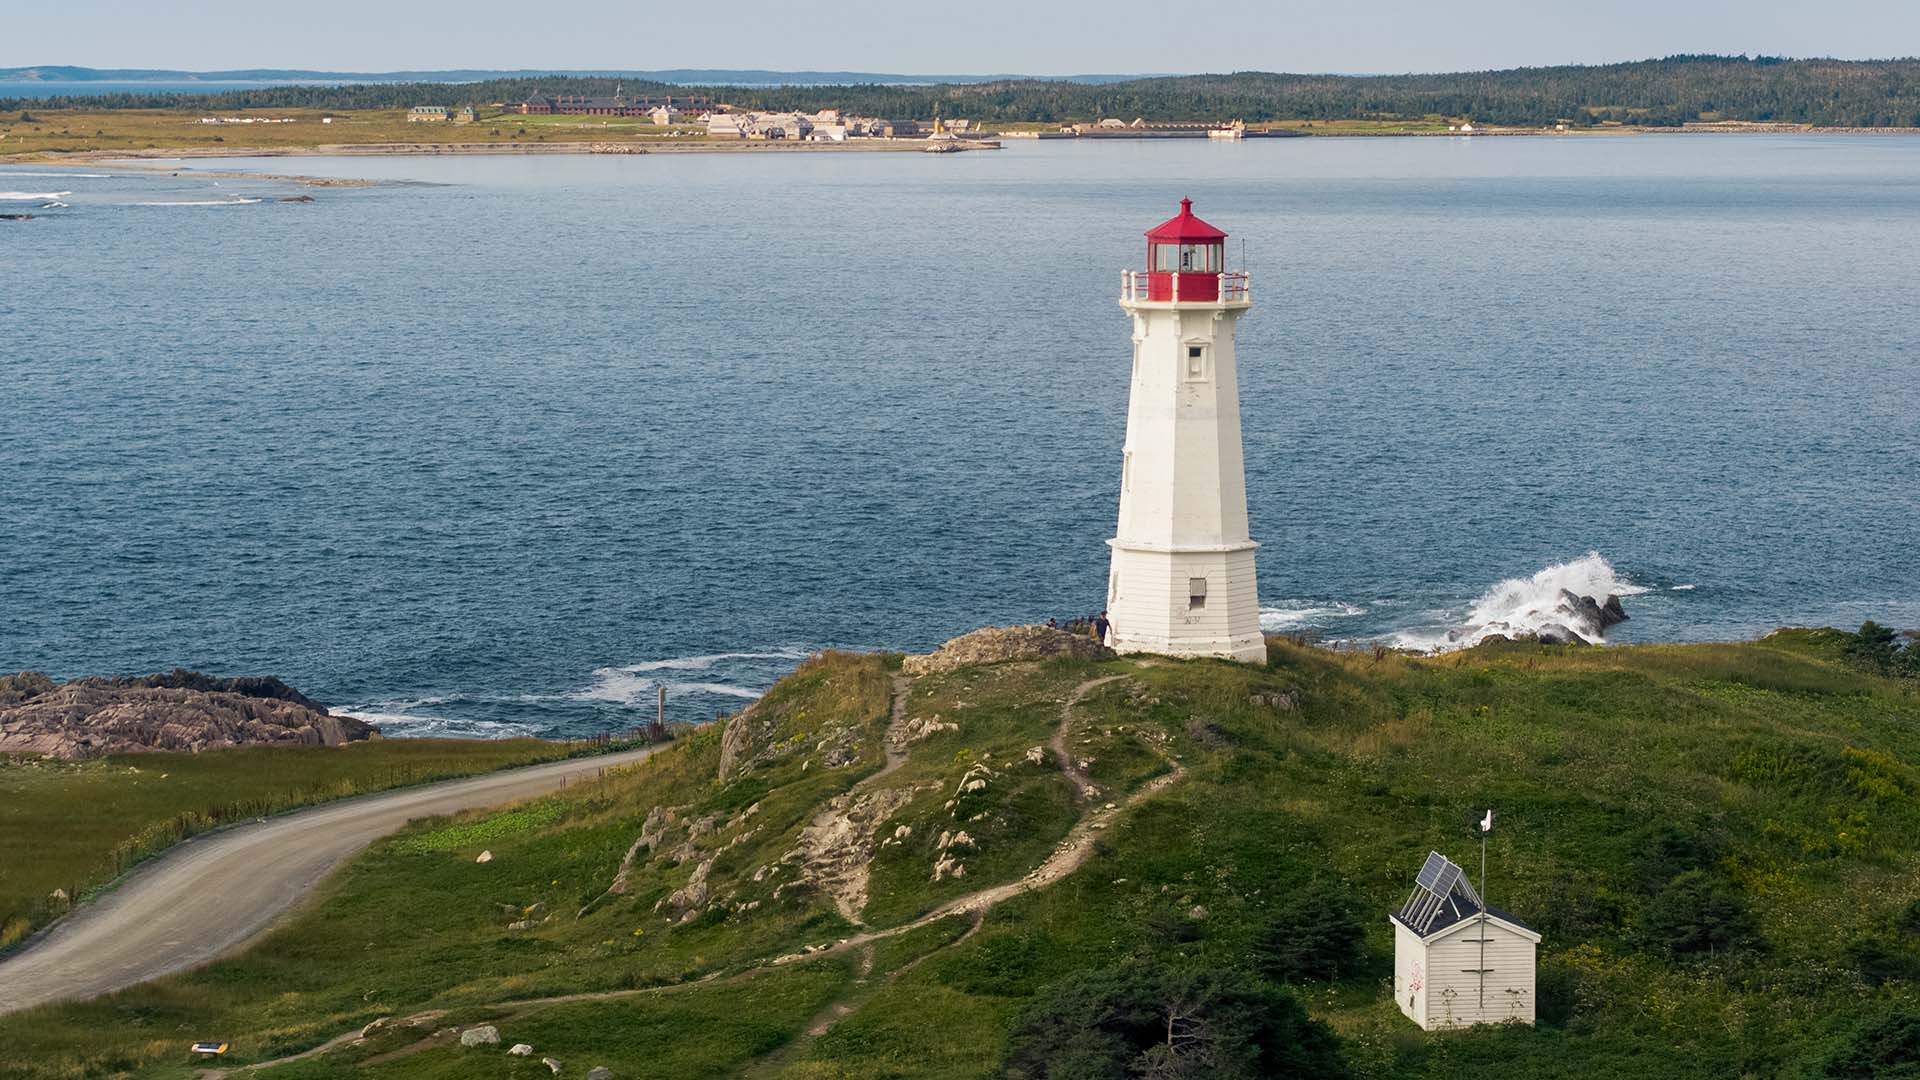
[1182, 579]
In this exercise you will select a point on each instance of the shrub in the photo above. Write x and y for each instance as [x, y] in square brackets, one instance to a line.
[1165, 928]
[1165, 1023]
[1670, 851]
[1874, 647]
[1697, 912]
[1884, 1048]
[1312, 935]
[1879, 960]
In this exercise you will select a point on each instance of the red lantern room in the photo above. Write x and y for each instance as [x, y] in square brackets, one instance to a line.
[1186, 263]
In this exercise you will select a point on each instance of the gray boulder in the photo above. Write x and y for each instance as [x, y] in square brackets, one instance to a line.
[599, 1072]
[1611, 613]
[551, 1065]
[484, 1035]
[521, 1050]
[1556, 634]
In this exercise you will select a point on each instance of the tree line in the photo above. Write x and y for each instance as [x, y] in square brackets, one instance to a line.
[1665, 92]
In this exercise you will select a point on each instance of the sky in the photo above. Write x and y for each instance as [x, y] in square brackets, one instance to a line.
[1046, 37]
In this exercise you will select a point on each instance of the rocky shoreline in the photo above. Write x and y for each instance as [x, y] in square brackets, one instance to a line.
[179, 711]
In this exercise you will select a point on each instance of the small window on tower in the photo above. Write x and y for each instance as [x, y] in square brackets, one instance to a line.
[1196, 593]
[1196, 363]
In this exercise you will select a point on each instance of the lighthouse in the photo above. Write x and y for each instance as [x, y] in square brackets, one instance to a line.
[1182, 582]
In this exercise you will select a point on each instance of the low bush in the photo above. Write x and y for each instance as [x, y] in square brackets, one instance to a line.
[1165, 1023]
[1697, 912]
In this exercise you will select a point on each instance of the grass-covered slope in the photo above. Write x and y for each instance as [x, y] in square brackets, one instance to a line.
[813, 911]
[73, 826]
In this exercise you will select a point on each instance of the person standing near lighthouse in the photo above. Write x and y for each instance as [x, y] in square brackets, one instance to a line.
[1182, 575]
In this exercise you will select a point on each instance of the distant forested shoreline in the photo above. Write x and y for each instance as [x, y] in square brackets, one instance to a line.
[1657, 93]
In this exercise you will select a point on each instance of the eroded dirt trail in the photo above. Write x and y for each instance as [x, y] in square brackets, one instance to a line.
[1070, 855]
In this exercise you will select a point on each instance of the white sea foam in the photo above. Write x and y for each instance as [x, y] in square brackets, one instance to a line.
[31, 196]
[59, 175]
[622, 687]
[743, 675]
[1685, 588]
[54, 205]
[1296, 614]
[700, 663]
[393, 721]
[1521, 606]
[203, 202]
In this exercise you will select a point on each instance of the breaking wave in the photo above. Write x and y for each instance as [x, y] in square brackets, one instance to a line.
[59, 175]
[744, 675]
[31, 196]
[1302, 614]
[701, 663]
[1525, 606]
[396, 721]
[698, 688]
[203, 202]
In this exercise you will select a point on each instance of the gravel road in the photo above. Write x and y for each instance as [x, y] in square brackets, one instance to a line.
[213, 894]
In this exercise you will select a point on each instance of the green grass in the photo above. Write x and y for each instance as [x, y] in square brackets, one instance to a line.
[77, 825]
[1793, 776]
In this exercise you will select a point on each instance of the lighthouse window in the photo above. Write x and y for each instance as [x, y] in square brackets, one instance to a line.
[1196, 593]
[1196, 363]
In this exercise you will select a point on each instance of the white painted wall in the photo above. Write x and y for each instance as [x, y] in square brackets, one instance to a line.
[1183, 491]
[1440, 976]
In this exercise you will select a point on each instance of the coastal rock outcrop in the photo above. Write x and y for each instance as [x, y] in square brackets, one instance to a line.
[179, 710]
[997, 643]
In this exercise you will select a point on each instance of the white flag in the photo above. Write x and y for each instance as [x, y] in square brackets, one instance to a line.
[1486, 823]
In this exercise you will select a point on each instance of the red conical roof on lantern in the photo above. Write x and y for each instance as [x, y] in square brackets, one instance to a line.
[1185, 228]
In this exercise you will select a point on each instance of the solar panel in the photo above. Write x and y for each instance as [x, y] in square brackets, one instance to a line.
[1439, 875]
[1441, 886]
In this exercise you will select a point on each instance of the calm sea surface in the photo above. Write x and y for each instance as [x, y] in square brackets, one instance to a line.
[501, 444]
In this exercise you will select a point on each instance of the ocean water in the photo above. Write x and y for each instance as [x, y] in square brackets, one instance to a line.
[504, 444]
[27, 90]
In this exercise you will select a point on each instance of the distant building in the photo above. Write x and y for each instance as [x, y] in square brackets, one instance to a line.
[1456, 961]
[829, 133]
[426, 114]
[779, 126]
[617, 105]
[466, 116]
[725, 126]
[665, 115]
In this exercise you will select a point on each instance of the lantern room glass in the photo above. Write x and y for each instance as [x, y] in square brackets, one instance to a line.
[1189, 258]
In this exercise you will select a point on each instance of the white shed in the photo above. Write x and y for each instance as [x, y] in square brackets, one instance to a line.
[1456, 961]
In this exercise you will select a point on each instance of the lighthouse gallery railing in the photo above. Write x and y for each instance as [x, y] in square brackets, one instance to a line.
[1234, 287]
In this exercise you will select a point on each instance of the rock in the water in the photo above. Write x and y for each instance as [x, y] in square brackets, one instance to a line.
[1612, 613]
[521, 1050]
[180, 710]
[1555, 634]
[485, 856]
[599, 1072]
[484, 1035]
[997, 643]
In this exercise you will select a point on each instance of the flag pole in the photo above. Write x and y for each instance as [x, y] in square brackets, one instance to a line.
[1486, 826]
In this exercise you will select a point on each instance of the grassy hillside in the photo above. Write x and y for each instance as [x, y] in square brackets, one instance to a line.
[74, 826]
[810, 910]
